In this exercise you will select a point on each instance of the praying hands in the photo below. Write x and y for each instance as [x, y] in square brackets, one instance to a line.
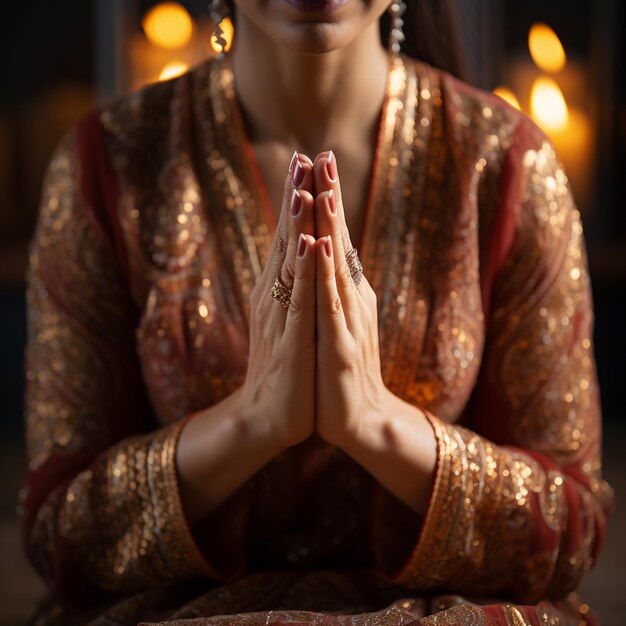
[327, 300]
[313, 365]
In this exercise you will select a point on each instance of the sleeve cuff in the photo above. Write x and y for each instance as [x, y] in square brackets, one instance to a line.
[214, 547]
[482, 520]
[179, 549]
[411, 535]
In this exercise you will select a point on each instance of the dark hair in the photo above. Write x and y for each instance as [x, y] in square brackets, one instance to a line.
[431, 31]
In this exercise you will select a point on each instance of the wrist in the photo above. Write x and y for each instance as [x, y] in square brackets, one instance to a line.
[397, 445]
[374, 425]
[253, 421]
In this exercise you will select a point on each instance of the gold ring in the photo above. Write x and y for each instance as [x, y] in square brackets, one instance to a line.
[281, 292]
[354, 263]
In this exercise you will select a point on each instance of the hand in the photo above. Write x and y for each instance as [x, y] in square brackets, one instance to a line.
[349, 384]
[280, 379]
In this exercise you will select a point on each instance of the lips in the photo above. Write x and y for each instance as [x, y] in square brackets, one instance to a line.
[316, 6]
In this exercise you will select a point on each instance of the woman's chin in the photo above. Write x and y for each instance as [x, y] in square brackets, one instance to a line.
[315, 37]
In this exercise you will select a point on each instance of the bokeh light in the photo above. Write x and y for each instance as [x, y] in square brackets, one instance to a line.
[173, 69]
[546, 48]
[168, 25]
[548, 104]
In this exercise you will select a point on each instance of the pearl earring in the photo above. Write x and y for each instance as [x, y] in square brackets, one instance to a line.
[396, 34]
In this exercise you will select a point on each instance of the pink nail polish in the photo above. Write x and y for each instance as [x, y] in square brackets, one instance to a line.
[331, 167]
[298, 176]
[296, 203]
[301, 246]
[328, 248]
[332, 205]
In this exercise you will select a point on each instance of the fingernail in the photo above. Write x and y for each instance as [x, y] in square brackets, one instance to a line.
[294, 156]
[301, 246]
[331, 202]
[331, 167]
[296, 202]
[328, 246]
[298, 176]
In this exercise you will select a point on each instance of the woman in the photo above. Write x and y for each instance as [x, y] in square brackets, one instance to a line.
[232, 421]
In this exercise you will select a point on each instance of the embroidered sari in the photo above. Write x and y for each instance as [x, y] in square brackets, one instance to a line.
[155, 224]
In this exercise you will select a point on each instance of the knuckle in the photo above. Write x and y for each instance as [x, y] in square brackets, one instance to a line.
[288, 273]
[296, 307]
[346, 360]
[281, 244]
[334, 306]
[344, 272]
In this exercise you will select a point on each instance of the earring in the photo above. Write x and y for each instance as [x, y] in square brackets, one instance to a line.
[218, 10]
[396, 34]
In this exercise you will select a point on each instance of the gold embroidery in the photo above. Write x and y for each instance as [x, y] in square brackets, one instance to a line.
[465, 614]
[73, 288]
[79, 354]
[553, 503]
[478, 524]
[514, 616]
[545, 343]
[129, 506]
[442, 276]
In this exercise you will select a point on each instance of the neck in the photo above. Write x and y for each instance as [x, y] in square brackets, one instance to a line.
[309, 102]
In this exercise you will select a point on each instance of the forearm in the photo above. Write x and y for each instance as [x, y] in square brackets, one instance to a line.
[397, 445]
[219, 450]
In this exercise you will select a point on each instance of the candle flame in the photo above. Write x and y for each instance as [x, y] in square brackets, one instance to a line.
[507, 94]
[227, 27]
[168, 25]
[548, 104]
[546, 48]
[173, 69]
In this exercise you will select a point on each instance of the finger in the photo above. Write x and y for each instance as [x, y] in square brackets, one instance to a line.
[300, 222]
[326, 177]
[300, 318]
[330, 319]
[305, 158]
[299, 176]
[327, 219]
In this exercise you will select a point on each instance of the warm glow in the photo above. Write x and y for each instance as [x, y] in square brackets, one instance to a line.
[173, 69]
[545, 48]
[548, 104]
[168, 25]
[507, 95]
[229, 30]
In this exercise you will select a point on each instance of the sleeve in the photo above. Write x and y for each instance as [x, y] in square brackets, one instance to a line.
[525, 517]
[101, 506]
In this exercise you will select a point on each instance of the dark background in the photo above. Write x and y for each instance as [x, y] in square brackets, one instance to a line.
[59, 60]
